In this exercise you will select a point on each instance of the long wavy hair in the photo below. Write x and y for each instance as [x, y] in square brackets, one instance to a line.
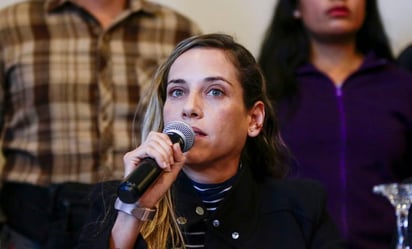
[265, 154]
[286, 45]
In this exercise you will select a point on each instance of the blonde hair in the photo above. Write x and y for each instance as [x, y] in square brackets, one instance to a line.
[163, 230]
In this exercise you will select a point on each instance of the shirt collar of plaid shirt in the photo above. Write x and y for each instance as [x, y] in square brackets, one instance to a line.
[135, 5]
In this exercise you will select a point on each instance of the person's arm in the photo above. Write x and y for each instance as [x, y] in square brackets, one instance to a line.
[109, 228]
[96, 233]
[170, 158]
[125, 231]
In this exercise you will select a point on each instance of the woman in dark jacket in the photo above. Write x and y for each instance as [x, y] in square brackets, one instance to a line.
[227, 190]
[344, 107]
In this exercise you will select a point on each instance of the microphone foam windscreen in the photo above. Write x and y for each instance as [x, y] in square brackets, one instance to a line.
[185, 132]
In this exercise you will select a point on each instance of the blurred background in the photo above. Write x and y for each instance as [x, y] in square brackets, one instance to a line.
[247, 20]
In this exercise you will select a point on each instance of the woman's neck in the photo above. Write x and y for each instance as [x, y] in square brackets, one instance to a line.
[105, 11]
[209, 174]
[337, 60]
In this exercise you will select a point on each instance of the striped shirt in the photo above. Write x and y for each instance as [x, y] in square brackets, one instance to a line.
[211, 195]
[69, 89]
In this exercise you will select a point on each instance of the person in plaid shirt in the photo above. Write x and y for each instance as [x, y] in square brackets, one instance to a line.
[72, 73]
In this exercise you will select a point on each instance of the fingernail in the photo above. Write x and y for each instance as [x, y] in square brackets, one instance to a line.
[166, 166]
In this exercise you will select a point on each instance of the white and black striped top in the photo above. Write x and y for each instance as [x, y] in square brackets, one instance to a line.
[212, 195]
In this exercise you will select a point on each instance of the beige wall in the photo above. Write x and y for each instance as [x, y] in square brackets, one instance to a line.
[247, 20]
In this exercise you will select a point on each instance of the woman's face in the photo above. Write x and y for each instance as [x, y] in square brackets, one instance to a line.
[330, 18]
[203, 90]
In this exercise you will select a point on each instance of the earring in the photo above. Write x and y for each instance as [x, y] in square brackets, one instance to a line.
[296, 14]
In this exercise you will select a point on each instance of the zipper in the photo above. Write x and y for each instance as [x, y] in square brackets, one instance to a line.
[342, 161]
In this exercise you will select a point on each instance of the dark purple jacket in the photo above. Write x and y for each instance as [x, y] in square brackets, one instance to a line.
[350, 139]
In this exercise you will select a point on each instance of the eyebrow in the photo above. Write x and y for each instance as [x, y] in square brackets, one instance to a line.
[207, 79]
[176, 81]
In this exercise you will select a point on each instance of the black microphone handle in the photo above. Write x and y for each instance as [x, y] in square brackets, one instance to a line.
[140, 179]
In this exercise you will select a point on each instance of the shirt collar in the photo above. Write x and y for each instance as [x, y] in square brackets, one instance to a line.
[370, 61]
[135, 5]
[232, 216]
[51, 5]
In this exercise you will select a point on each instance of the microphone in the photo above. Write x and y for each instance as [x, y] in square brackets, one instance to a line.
[139, 180]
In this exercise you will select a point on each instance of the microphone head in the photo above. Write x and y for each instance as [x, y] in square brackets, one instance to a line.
[184, 131]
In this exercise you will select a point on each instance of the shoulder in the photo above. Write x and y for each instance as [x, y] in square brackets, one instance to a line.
[397, 81]
[384, 69]
[298, 187]
[21, 15]
[399, 72]
[19, 9]
[385, 76]
[301, 196]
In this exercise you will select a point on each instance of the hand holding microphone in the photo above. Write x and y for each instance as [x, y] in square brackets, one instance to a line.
[140, 179]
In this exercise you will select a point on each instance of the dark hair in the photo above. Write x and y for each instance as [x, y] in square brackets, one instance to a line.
[286, 45]
[266, 154]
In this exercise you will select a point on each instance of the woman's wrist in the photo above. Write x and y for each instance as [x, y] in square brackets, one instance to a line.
[140, 213]
[125, 231]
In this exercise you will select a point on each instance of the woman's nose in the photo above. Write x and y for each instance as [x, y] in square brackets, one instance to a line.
[192, 107]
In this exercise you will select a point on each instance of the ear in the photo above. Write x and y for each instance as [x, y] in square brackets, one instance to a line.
[257, 117]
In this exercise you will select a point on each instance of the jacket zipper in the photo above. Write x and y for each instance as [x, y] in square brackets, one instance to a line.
[342, 161]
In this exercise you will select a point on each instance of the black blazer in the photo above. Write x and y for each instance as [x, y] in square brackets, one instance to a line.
[275, 214]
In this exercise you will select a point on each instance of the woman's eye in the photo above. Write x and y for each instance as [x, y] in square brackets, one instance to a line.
[215, 92]
[176, 93]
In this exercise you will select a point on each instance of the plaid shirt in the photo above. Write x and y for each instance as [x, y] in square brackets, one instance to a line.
[69, 89]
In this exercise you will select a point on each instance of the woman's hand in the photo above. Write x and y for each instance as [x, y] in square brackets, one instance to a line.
[168, 156]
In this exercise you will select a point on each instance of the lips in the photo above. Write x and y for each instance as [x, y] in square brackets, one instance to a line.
[338, 11]
[198, 132]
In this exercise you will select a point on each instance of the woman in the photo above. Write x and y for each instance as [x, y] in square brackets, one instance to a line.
[345, 109]
[226, 191]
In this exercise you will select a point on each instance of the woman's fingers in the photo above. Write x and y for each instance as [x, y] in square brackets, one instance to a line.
[168, 156]
[157, 146]
[164, 181]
